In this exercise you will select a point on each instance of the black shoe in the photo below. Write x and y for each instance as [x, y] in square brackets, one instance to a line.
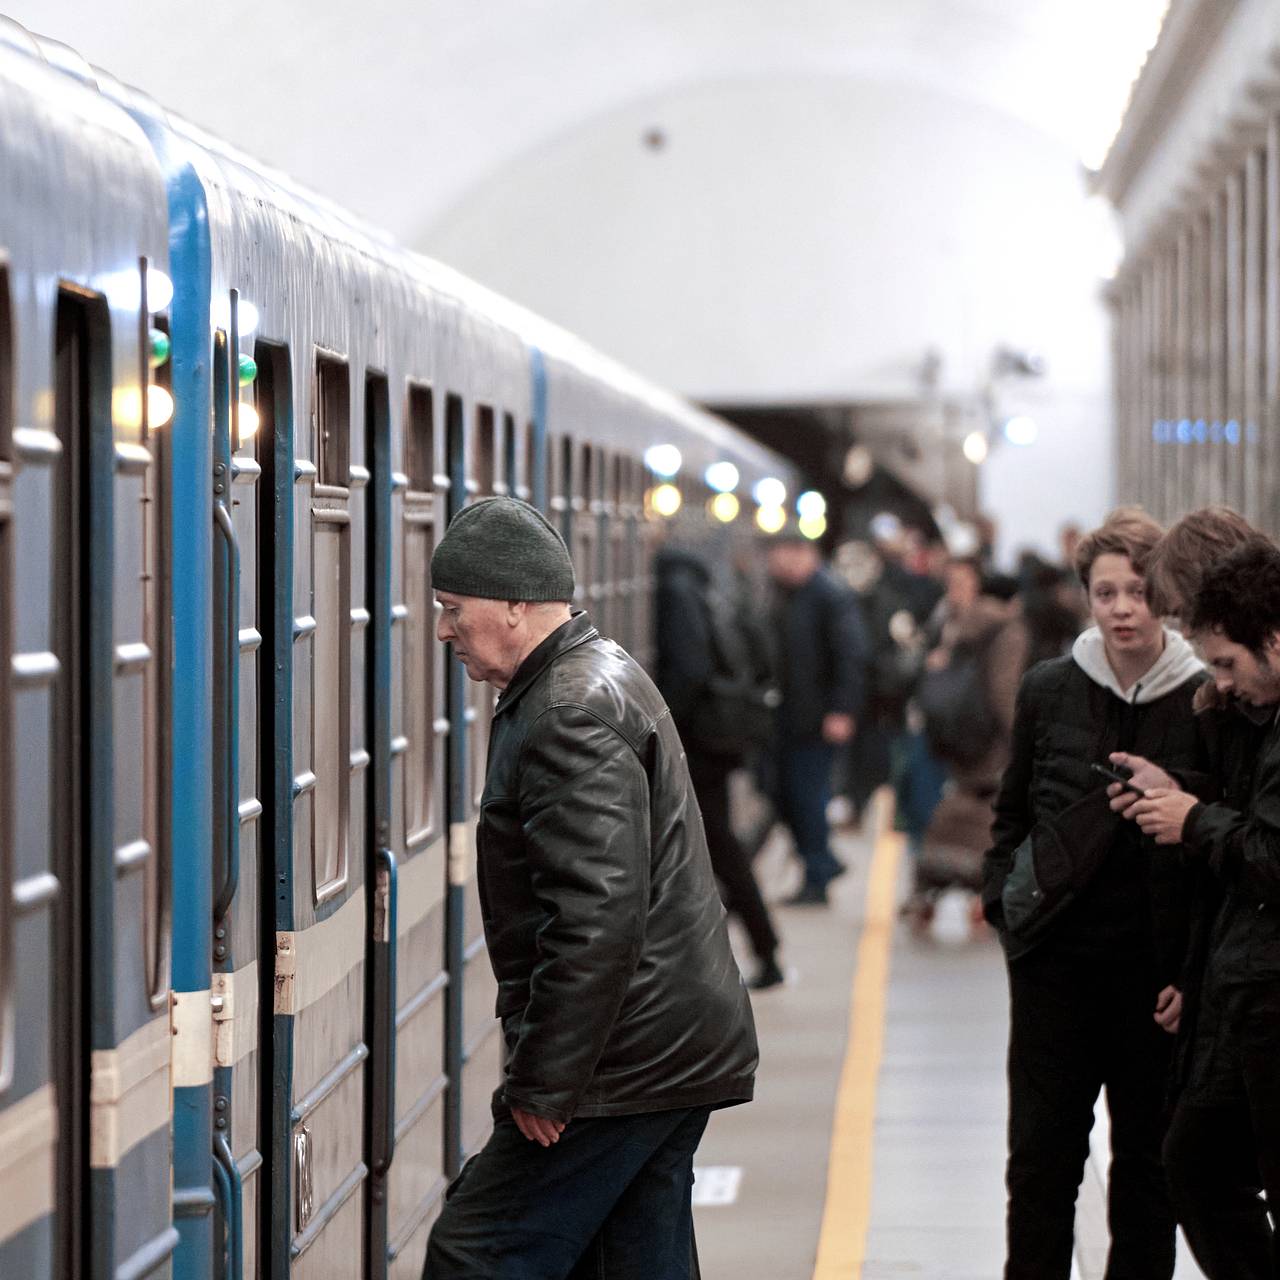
[768, 975]
[808, 895]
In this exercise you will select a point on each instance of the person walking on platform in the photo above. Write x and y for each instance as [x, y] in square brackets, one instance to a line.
[1092, 921]
[822, 654]
[966, 698]
[625, 1019]
[1223, 1145]
[722, 708]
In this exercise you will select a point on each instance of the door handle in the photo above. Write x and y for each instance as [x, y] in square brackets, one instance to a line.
[387, 893]
[226, 1174]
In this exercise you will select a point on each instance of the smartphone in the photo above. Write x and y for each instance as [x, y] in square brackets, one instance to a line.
[1112, 774]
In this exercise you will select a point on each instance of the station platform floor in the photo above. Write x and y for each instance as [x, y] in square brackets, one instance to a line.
[874, 1149]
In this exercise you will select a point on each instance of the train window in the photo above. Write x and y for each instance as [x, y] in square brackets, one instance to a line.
[332, 420]
[6, 718]
[417, 631]
[331, 639]
[516, 485]
[483, 456]
[419, 445]
[156, 519]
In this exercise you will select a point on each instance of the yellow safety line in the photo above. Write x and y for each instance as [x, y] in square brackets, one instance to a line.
[846, 1217]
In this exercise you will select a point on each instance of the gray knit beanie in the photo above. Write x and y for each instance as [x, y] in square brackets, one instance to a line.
[502, 549]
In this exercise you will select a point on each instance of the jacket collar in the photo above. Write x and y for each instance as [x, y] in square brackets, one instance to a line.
[569, 635]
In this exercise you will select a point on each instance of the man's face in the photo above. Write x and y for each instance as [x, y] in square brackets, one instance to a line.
[483, 637]
[1239, 671]
[1118, 603]
[792, 564]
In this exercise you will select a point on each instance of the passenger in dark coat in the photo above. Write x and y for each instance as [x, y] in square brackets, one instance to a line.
[698, 654]
[822, 655]
[625, 1019]
[1223, 1146]
[1095, 1000]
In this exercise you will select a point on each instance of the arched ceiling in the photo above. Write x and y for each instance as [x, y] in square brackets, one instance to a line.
[398, 109]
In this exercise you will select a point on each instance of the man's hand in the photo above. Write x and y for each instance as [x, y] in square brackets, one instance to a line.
[1168, 1012]
[1162, 814]
[1145, 776]
[536, 1128]
[837, 728]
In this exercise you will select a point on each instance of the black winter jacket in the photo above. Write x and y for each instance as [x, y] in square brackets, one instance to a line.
[822, 655]
[1237, 835]
[617, 989]
[1064, 722]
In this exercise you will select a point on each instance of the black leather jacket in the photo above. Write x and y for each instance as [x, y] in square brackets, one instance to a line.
[1238, 836]
[617, 989]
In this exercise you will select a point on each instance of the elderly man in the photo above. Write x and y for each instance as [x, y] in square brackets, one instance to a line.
[625, 1018]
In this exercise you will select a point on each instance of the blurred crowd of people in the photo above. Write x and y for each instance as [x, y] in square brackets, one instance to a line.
[896, 662]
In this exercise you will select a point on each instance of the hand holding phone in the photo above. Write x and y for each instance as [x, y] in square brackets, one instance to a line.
[1115, 775]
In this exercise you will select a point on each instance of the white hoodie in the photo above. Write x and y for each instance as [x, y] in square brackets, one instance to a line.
[1172, 668]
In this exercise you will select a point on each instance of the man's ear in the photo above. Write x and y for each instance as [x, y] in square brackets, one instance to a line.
[516, 611]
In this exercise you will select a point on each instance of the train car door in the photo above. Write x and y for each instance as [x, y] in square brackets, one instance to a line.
[480, 1046]
[465, 1123]
[84, 1164]
[413, 1185]
[320, 882]
[244, 434]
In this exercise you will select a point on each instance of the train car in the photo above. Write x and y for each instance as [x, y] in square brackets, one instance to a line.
[314, 764]
[85, 1099]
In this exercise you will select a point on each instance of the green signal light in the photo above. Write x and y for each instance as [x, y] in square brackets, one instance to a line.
[160, 347]
[248, 370]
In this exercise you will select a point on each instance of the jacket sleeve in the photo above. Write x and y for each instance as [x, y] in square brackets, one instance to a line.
[1242, 849]
[584, 809]
[1013, 815]
[850, 652]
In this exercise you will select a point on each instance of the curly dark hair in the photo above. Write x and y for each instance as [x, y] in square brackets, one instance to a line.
[1240, 596]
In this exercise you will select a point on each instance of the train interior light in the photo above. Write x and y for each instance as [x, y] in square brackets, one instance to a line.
[975, 447]
[159, 406]
[771, 519]
[663, 460]
[722, 477]
[725, 507]
[770, 492]
[159, 290]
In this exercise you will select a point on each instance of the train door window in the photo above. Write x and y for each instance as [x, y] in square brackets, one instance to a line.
[6, 705]
[155, 516]
[530, 463]
[420, 438]
[516, 485]
[60, 792]
[583, 546]
[418, 646]
[551, 480]
[565, 490]
[331, 645]
[484, 474]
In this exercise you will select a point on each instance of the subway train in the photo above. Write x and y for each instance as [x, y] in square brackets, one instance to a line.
[246, 1016]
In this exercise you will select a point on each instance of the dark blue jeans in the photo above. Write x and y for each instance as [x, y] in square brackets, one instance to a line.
[804, 790]
[609, 1201]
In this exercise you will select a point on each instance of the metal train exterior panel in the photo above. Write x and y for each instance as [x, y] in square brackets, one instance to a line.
[293, 1099]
